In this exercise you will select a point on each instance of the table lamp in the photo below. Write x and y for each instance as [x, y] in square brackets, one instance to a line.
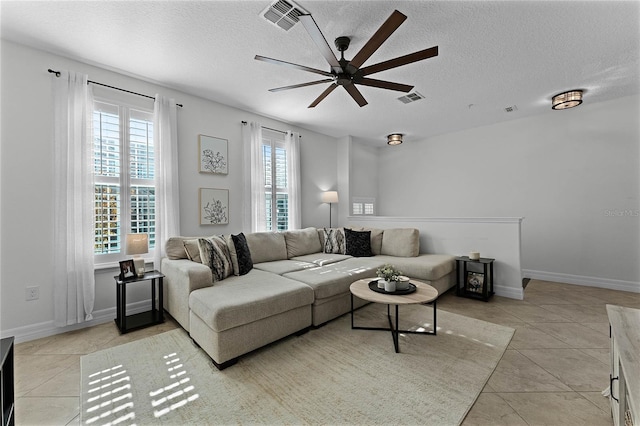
[136, 245]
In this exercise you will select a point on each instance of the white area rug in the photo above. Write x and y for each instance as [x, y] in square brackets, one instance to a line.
[331, 375]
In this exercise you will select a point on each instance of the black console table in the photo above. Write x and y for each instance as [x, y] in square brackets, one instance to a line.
[7, 389]
[471, 282]
[154, 316]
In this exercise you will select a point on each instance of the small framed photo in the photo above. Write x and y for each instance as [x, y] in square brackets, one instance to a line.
[127, 270]
[475, 282]
[214, 206]
[213, 155]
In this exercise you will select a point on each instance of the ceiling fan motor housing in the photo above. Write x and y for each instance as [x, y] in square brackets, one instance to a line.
[342, 43]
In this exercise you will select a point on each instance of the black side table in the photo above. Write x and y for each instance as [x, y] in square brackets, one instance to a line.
[471, 282]
[128, 323]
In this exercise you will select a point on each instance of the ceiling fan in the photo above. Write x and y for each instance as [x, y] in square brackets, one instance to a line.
[347, 73]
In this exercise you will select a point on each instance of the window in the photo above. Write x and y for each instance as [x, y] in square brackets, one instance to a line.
[276, 189]
[363, 206]
[123, 158]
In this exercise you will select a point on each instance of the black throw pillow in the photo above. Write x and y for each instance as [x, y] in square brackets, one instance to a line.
[245, 264]
[358, 243]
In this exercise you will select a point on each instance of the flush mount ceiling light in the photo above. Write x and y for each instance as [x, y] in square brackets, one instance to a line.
[566, 100]
[394, 139]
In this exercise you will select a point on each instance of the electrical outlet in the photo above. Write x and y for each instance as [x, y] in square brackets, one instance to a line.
[32, 293]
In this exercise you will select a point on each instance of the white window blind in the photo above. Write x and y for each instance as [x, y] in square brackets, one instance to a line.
[124, 177]
[363, 206]
[276, 187]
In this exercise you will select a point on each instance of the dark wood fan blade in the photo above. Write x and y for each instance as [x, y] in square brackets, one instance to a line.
[390, 25]
[356, 95]
[385, 84]
[401, 60]
[295, 86]
[290, 65]
[323, 95]
[317, 37]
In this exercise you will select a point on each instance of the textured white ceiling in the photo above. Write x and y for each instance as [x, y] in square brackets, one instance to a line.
[492, 54]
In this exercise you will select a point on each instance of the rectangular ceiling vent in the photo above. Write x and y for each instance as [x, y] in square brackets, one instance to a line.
[283, 14]
[411, 97]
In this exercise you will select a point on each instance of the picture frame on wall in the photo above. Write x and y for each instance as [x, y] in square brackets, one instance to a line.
[127, 270]
[475, 282]
[213, 156]
[214, 206]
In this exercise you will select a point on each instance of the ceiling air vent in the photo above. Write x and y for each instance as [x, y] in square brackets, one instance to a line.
[411, 97]
[512, 108]
[283, 14]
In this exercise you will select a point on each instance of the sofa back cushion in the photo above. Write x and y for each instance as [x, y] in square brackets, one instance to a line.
[401, 242]
[266, 246]
[302, 241]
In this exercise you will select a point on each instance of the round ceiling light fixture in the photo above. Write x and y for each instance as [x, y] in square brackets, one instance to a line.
[565, 100]
[394, 139]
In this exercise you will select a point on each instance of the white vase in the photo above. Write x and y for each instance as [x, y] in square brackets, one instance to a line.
[403, 284]
[389, 286]
[381, 283]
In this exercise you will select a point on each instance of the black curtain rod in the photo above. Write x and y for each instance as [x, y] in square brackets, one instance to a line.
[57, 73]
[244, 123]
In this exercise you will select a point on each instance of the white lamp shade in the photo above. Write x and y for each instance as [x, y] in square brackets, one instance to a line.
[330, 197]
[137, 243]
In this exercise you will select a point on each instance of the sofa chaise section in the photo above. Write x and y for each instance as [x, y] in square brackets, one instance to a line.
[243, 313]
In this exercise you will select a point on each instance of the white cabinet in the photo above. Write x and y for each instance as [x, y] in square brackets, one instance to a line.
[625, 365]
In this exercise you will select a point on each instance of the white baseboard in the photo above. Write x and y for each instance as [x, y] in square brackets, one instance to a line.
[510, 292]
[47, 328]
[621, 285]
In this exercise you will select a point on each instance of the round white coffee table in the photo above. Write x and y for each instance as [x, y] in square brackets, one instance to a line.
[424, 294]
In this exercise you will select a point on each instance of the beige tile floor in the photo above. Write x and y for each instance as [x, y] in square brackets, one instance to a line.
[552, 373]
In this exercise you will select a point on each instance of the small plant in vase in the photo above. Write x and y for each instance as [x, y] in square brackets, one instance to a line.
[388, 277]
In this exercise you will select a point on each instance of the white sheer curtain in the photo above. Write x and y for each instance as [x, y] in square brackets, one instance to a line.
[292, 145]
[254, 199]
[73, 195]
[165, 142]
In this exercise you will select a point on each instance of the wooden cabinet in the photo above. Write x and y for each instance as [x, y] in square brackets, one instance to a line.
[624, 385]
[7, 382]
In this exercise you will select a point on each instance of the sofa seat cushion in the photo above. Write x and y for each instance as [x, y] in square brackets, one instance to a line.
[335, 278]
[429, 267]
[241, 300]
[281, 267]
[320, 259]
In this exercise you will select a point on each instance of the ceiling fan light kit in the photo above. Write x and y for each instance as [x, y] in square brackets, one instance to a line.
[394, 139]
[566, 100]
[348, 73]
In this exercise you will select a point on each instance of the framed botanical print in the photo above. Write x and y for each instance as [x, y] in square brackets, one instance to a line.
[213, 155]
[214, 206]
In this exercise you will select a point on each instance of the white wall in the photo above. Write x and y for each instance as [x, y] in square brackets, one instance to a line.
[573, 175]
[364, 159]
[27, 167]
[497, 238]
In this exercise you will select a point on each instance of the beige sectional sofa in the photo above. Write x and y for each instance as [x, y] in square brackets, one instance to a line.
[292, 285]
